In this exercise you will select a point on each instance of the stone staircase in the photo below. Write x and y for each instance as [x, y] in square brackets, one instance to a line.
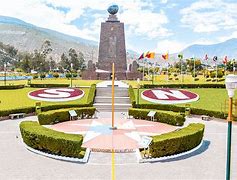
[103, 99]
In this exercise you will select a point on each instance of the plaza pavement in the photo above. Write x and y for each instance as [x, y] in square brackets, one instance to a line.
[16, 162]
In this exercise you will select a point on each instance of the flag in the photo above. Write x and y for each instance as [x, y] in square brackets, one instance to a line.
[206, 57]
[215, 58]
[225, 60]
[165, 56]
[150, 55]
[180, 56]
[141, 57]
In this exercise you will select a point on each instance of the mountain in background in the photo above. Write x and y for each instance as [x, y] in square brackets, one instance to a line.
[27, 37]
[227, 48]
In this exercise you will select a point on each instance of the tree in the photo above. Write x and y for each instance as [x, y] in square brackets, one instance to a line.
[65, 63]
[25, 62]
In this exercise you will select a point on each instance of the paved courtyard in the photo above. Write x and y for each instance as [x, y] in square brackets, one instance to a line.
[206, 163]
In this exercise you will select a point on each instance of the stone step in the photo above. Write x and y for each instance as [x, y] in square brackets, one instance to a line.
[118, 100]
[107, 107]
[118, 92]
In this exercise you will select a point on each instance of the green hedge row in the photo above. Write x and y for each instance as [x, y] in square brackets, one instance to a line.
[197, 111]
[48, 85]
[12, 87]
[177, 141]
[61, 115]
[167, 117]
[50, 141]
[184, 85]
[132, 96]
[91, 95]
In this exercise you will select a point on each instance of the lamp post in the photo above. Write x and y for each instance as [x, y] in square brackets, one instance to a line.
[231, 85]
[5, 73]
[138, 87]
[71, 73]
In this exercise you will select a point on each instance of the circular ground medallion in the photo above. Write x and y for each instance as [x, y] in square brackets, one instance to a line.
[169, 96]
[56, 94]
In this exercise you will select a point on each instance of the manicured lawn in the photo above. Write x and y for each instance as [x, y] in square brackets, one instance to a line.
[11, 99]
[162, 79]
[75, 82]
[210, 98]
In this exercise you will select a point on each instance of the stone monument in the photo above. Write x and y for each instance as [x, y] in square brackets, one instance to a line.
[112, 46]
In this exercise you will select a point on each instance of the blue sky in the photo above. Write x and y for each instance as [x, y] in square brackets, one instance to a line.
[155, 25]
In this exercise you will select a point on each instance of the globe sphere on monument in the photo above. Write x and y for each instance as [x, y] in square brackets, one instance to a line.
[113, 9]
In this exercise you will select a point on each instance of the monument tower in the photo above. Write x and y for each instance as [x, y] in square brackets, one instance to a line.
[112, 47]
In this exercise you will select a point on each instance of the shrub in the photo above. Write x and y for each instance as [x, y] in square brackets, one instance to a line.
[213, 74]
[178, 141]
[50, 141]
[194, 75]
[55, 75]
[42, 76]
[170, 78]
[184, 85]
[74, 75]
[26, 110]
[48, 85]
[176, 79]
[35, 76]
[208, 79]
[207, 76]
[175, 75]
[168, 117]
[61, 115]
[220, 74]
[196, 79]
[68, 75]
[12, 87]
[132, 96]
[91, 95]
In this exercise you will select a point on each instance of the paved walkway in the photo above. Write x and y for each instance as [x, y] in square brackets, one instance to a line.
[99, 136]
[208, 163]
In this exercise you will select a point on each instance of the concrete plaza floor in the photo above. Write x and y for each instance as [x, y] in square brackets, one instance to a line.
[16, 162]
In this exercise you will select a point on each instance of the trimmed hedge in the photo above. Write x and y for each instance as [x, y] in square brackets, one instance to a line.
[132, 96]
[184, 86]
[50, 141]
[177, 141]
[12, 87]
[61, 115]
[91, 95]
[48, 85]
[168, 117]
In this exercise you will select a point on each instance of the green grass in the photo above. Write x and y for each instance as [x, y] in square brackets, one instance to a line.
[75, 82]
[11, 99]
[162, 79]
[210, 98]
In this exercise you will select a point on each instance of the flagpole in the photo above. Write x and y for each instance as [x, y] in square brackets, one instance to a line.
[194, 70]
[216, 71]
[143, 69]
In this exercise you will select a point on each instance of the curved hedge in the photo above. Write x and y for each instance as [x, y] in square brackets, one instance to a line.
[132, 96]
[91, 95]
[48, 85]
[177, 141]
[12, 87]
[184, 85]
[50, 141]
[168, 117]
[61, 115]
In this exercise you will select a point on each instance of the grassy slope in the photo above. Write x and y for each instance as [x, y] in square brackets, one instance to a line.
[11, 99]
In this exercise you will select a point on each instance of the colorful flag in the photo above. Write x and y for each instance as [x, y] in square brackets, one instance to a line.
[165, 56]
[225, 60]
[215, 58]
[150, 55]
[206, 57]
[180, 56]
[141, 57]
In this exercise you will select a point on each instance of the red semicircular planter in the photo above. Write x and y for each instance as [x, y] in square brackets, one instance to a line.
[56, 94]
[169, 96]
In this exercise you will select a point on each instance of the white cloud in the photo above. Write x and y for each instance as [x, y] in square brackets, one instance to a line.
[210, 16]
[163, 1]
[38, 12]
[169, 45]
